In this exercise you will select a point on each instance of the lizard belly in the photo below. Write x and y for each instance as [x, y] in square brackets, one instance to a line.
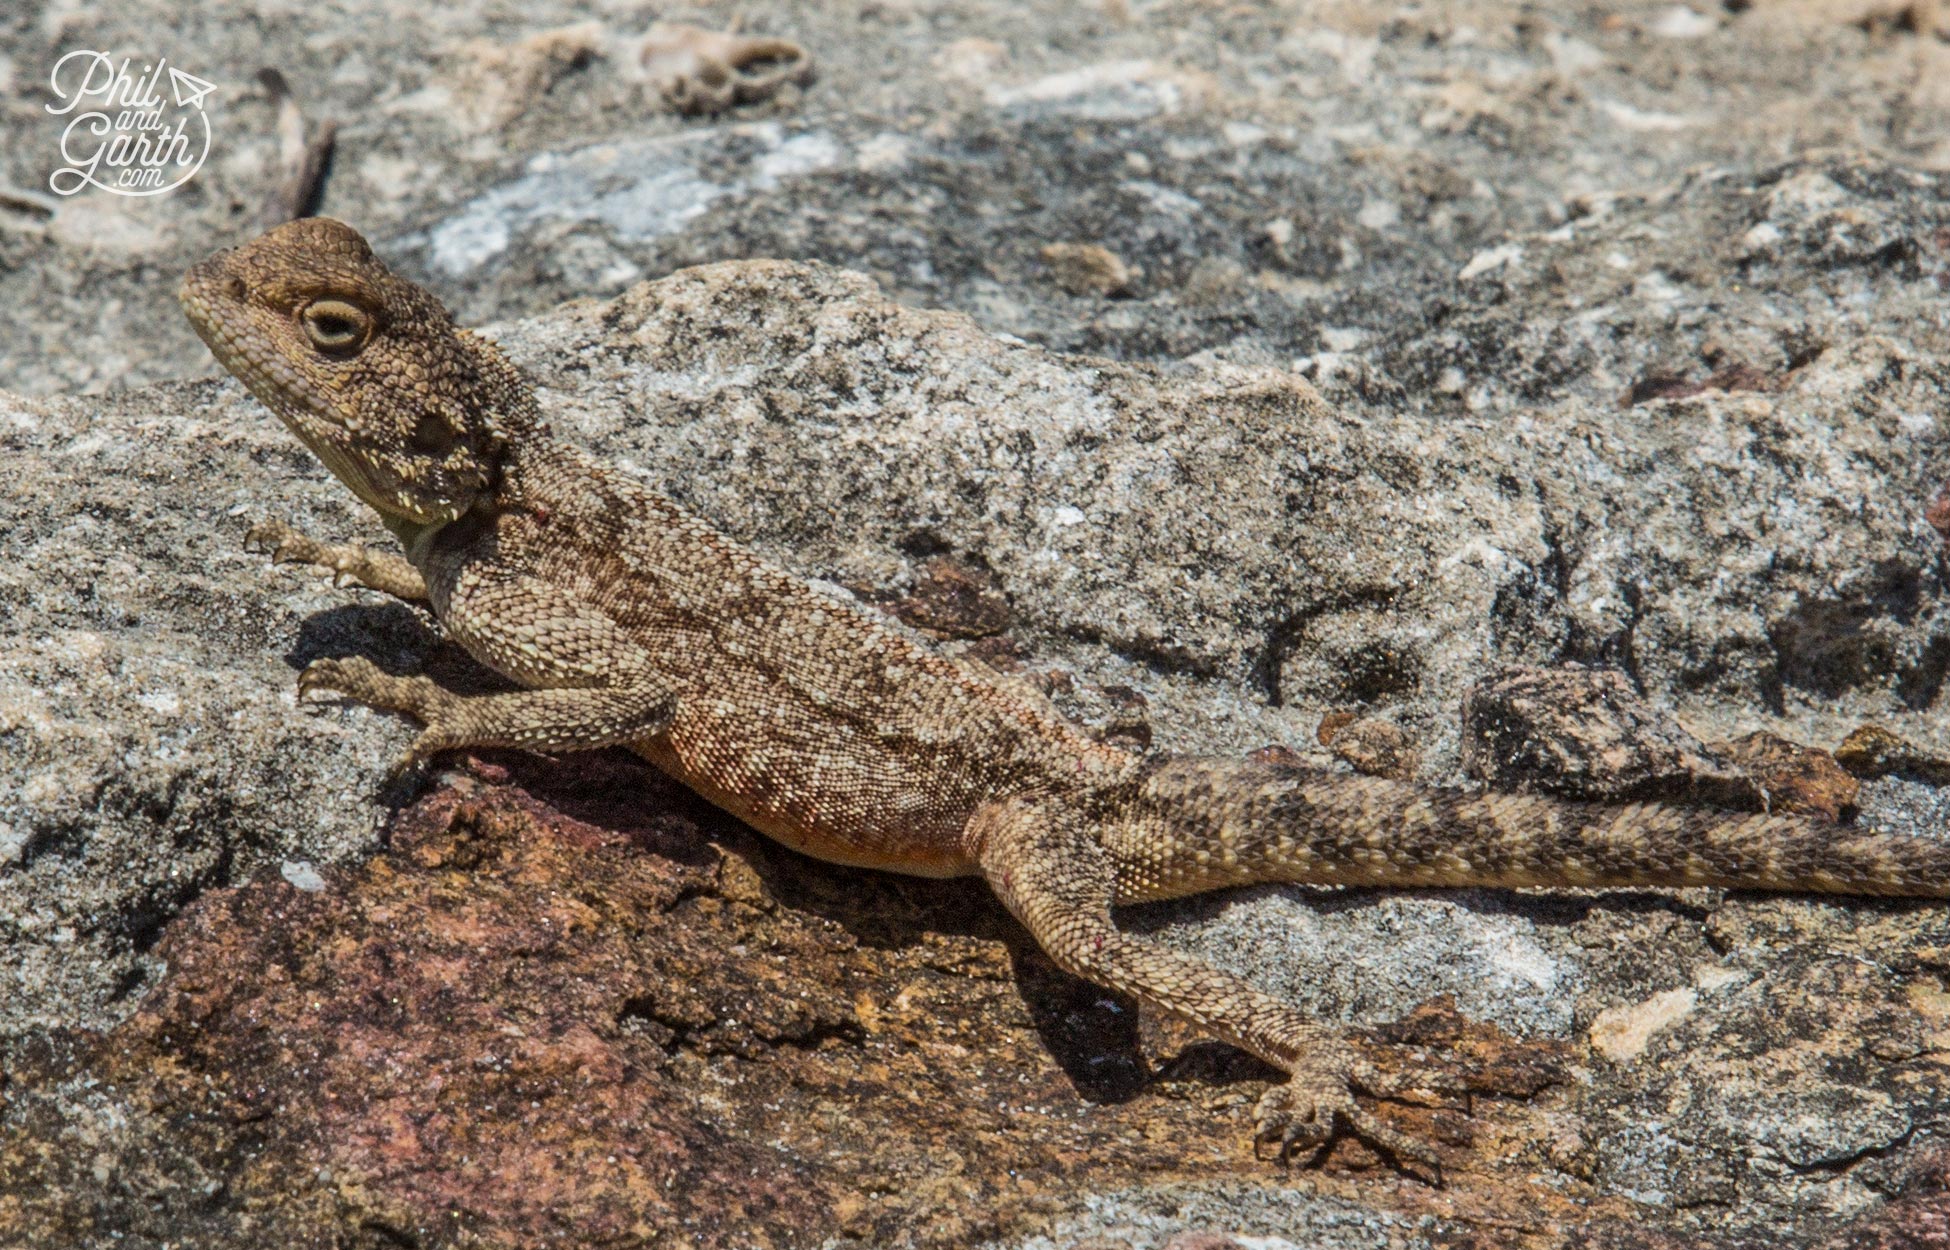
[843, 818]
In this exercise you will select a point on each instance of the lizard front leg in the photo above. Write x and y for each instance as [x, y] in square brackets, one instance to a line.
[590, 685]
[350, 563]
[1059, 882]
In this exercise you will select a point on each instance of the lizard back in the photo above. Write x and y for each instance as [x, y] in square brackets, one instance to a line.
[809, 717]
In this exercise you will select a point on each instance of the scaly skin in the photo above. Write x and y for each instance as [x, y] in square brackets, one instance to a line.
[627, 620]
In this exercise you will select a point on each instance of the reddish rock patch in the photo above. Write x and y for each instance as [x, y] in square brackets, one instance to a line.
[1794, 777]
[615, 1021]
[1938, 513]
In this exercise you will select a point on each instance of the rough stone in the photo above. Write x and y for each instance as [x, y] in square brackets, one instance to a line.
[913, 436]
[1792, 777]
[595, 1013]
[1585, 734]
[1088, 269]
[1466, 338]
[1343, 163]
[1369, 745]
[1873, 751]
[955, 600]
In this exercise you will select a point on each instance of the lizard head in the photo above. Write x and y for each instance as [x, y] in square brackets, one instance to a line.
[407, 409]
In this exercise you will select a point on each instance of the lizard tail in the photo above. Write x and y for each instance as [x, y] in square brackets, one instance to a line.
[1206, 823]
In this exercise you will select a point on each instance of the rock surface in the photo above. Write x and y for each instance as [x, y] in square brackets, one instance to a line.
[1790, 1088]
[567, 1023]
[1283, 182]
[1629, 331]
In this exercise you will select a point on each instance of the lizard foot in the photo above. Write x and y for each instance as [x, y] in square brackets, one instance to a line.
[288, 546]
[1317, 1102]
[361, 680]
[349, 563]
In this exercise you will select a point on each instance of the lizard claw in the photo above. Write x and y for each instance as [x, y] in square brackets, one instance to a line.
[1316, 1103]
[285, 545]
[1281, 1117]
[335, 676]
[357, 678]
[361, 680]
[410, 762]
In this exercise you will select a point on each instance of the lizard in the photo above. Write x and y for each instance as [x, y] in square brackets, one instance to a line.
[621, 618]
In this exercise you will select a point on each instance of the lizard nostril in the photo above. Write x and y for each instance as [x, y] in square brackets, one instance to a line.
[237, 289]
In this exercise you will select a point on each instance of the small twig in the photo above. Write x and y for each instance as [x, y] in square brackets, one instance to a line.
[303, 163]
[29, 203]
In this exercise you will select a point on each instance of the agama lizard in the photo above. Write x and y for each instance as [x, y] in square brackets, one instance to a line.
[627, 620]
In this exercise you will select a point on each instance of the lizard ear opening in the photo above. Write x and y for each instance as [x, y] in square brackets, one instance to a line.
[432, 435]
[335, 327]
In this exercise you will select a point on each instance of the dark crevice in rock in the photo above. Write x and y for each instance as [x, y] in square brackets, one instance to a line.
[1364, 683]
[1158, 654]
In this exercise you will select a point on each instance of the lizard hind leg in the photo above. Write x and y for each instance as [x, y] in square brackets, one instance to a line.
[1059, 881]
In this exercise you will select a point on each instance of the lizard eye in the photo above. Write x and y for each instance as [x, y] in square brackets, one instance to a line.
[336, 327]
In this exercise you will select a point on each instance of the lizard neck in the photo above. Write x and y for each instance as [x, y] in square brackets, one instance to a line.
[538, 474]
[528, 470]
[414, 536]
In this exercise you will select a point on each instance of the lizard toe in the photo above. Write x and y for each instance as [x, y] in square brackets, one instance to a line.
[414, 757]
[358, 678]
[1291, 1118]
[332, 676]
[1316, 1103]
[1405, 1149]
[285, 545]
[1430, 1085]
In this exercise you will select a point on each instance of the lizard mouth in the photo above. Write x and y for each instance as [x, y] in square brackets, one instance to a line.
[214, 301]
[216, 304]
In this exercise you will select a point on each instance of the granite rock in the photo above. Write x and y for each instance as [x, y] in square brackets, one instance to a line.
[1783, 1077]
[1436, 343]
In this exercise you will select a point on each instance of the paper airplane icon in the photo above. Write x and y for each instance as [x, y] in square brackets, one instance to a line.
[189, 89]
